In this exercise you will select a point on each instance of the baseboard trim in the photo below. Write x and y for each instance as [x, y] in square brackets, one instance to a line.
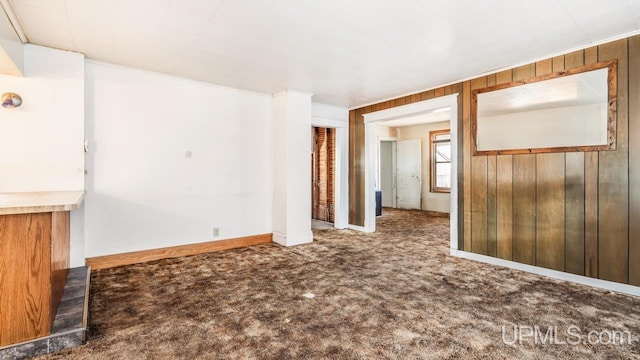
[293, 239]
[559, 275]
[358, 228]
[109, 261]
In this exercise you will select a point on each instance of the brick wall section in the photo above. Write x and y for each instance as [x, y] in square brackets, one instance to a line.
[323, 170]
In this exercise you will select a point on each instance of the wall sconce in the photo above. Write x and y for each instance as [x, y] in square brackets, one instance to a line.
[11, 100]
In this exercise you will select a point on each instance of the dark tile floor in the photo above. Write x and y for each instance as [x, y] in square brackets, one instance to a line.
[69, 327]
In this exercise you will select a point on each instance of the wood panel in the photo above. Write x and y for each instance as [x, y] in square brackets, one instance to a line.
[544, 67]
[491, 80]
[613, 181]
[108, 261]
[504, 77]
[60, 249]
[550, 202]
[479, 205]
[574, 192]
[492, 206]
[634, 160]
[574, 59]
[591, 214]
[400, 102]
[524, 72]
[524, 209]
[426, 95]
[466, 163]
[591, 55]
[25, 277]
[574, 213]
[558, 63]
[504, 203]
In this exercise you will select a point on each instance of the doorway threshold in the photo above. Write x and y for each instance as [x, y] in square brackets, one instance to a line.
[321, 225]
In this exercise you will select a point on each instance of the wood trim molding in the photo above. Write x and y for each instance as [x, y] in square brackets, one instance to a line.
[109, 261]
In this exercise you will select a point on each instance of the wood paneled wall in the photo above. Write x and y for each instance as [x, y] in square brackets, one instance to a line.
[577, 212]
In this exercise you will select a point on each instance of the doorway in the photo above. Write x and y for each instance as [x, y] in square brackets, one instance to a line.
[445, 104]
[388, 173]
[322, 174]
[401, 174]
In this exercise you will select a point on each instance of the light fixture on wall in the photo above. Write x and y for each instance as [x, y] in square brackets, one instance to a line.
[11, 100]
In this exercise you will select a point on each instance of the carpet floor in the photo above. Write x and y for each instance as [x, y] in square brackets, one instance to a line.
[393, 294]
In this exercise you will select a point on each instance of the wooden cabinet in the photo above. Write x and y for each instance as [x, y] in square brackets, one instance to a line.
[34, 261]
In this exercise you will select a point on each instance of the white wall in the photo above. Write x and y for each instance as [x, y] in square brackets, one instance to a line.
[325, 111]
[385, 132]
[172, 158]
[430, 201]
[42, 141]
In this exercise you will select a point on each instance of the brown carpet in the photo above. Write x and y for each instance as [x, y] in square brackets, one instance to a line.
[394, 294]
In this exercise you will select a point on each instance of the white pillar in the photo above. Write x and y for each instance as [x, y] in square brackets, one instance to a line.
[292, 168]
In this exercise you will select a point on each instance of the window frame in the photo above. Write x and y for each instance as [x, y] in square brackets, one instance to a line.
[433, 161]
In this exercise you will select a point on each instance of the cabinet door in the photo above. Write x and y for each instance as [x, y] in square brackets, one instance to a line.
[25, 277]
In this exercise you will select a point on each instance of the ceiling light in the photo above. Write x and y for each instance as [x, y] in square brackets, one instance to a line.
[11, 100]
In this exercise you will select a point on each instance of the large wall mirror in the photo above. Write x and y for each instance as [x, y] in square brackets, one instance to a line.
[573, 110]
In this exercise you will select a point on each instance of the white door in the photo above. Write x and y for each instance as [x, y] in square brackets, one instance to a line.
[388, 173]
[409, 174]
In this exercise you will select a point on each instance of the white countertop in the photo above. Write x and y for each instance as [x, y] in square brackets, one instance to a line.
[39, 202]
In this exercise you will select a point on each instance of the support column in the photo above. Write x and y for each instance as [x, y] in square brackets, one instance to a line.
[292, 168]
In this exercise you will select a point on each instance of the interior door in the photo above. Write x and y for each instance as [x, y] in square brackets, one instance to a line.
[388, 173]
[409, 174]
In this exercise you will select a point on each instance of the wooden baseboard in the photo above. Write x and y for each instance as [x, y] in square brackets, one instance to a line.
[108, 261]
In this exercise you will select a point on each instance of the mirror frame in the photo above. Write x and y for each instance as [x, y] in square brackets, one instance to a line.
[612, 80]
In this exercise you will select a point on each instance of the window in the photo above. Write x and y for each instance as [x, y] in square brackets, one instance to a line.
[440, 147]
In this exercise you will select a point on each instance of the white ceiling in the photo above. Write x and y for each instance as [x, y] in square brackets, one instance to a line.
[346, 52]
[6, 31]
